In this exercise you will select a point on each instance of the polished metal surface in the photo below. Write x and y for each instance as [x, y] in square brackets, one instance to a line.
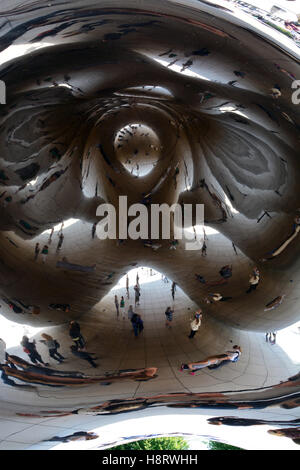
[165, 101]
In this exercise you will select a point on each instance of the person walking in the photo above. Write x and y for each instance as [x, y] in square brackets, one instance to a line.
[122, 307]
[253, 280]
[137, 295]
[94, 227]
[127, 286]
[169, 316]
[36, 251]
[173, 289]
[52, 345]
[75, 334]
[50, 236]
[196, 323]
[130, 312]
[83, 355]
[117, 305]
[30, 349]
[60, 241]
[137, 324]
[203, 249]
[45, 252]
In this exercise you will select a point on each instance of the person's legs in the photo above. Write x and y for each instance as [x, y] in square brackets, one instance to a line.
[53, 353]
[192, 334]
[90, 360]
[221, 364]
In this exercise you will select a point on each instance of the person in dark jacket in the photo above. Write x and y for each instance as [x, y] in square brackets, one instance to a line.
[30, 349]
[75, 334]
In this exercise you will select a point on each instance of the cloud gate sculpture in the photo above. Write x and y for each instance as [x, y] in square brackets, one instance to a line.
[164, 102]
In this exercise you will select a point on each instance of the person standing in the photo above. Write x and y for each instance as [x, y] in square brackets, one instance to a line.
[30, 349]
[130, 312]
[52, 346]
[137, 279]
[122, 307]
[203, 249]
[127, 286]
[253, 280]
[196, 323]
[117, 305]
[169, 316]
[45, 252]
[75, 334]
[173, 289]
[36, 251]
[60, 241]
[50, 236]
[137, 295]
[94, 229]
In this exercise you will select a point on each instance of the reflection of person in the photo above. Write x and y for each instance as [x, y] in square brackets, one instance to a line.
[76, 436]
[253, 280]
[274, 303]
[45, 252]
[216, 298]
[117, 305]
[30, 349]
[36, 251]
[226, 271]
[213, 362]
[195, 324]
[122, 307]
[173, 290]
[169, 316]
[52, 346]
[75, 334]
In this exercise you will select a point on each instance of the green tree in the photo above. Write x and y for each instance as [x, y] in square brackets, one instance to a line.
[159, 443]
[214, 445]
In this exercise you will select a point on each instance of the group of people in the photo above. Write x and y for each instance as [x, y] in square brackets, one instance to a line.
[45, 250]
[77, 349]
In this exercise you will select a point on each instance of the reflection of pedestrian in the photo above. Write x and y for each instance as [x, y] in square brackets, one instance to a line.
[30, 349]
[173, 289]
[94, 229]
[217, 298]
[60, 241]
[52, 346]
[45, 252]
[169, 316]
[127, 286]
[253, 280]
[203, 249]
[269, 338]
[122, 307]
[214, 362]
[130, 312]
[226, 271]
[137, 294]
[50, 236]
[137, 324]
[36, 251]
[196, 323]
[75, 334]
[117, 305]
[234, 248]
